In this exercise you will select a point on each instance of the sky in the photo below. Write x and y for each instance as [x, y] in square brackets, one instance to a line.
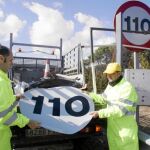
[46, 21]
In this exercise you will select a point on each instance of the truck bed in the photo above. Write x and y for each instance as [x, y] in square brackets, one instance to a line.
[144, 119]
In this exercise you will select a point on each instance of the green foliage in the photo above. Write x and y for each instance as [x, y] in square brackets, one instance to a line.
[106, 54]
[102, 56]
[101, 82]
[144, 58]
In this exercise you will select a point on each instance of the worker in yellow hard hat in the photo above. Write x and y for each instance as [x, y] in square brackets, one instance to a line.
[120, 98]
[112, 68]
[8, 101]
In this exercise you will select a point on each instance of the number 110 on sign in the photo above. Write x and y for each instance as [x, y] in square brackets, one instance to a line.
[137, 24]
[68, 106]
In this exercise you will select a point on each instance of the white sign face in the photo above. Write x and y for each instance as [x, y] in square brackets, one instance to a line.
[61, 109]
[135, 17]
[140, 78]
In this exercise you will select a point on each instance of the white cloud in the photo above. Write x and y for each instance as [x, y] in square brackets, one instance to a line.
[83, 36]
[87, 19]
[11, 24]
[50, 26]
[57, 5]
[106, 40]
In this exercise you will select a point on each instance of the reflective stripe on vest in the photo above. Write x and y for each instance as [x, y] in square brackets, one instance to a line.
[126, 111]
[11, 119]
[122, 108]
[126, 101]
[5, 112]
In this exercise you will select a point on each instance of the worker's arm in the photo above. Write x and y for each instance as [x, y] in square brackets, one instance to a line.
[97, 98]
[8, 114]
[124, 106]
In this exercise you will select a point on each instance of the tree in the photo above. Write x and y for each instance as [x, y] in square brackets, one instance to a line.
[102, 56]
[144, 58]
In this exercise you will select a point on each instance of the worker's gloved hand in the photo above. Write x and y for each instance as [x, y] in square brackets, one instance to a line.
[84, 87]
[18, 97]
[94, 114]
[33, 124]
[20, 87]
[86, 92]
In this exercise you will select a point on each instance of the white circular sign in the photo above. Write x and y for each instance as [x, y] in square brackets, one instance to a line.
[135, 17]
[61, 109]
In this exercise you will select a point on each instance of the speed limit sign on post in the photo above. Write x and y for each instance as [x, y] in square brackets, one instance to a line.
[135, 17]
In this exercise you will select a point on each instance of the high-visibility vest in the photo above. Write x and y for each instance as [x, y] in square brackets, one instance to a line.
[8, 114]
[120, 100]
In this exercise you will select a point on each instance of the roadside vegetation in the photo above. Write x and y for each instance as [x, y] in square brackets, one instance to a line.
[104, 55]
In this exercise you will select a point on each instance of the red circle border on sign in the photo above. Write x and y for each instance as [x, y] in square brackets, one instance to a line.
[121, 9]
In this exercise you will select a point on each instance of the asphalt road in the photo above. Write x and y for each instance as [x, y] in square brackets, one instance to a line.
[52, 147]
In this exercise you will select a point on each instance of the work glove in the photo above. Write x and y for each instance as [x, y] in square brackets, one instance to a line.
[33, 124]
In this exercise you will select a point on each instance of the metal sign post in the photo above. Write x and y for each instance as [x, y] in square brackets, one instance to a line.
[119, 38]
[135, 42]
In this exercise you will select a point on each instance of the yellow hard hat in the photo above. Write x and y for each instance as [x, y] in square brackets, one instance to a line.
[112, 68]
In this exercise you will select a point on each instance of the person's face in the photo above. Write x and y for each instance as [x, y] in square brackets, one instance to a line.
[6, 62]
[113, 76]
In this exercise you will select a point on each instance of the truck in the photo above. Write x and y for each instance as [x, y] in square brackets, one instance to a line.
[93, 136]
[31, 70]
